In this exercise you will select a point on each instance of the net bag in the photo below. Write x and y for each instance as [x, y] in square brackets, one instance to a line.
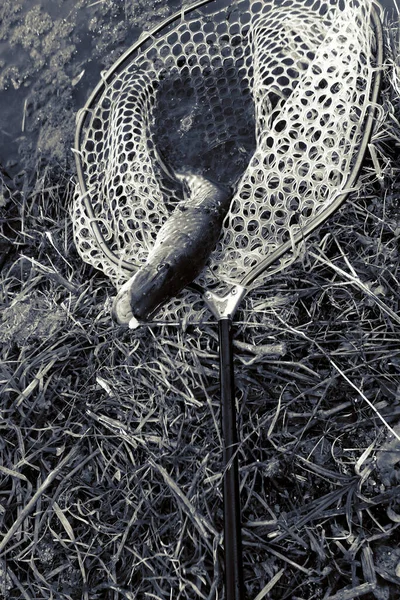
[268, 96]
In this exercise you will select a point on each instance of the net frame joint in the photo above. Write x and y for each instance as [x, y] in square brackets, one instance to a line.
[224, 307]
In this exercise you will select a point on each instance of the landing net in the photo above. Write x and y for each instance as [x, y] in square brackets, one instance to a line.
[269, 96]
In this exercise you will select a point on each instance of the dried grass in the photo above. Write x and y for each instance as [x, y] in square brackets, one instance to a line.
[110, 439]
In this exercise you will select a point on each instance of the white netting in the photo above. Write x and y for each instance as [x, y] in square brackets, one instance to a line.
[271, 95]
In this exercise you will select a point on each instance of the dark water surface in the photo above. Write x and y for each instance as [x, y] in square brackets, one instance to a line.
[51, 55]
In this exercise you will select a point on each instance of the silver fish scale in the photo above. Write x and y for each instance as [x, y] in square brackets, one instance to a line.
[267, 94]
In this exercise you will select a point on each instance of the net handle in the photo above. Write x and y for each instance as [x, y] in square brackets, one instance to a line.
[233, 560]
[335, 204]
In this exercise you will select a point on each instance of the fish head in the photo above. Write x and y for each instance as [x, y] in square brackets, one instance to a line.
[143, 293]
[121, 311]
[149, 289]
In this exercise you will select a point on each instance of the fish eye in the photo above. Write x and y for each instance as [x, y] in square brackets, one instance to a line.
[163, 266]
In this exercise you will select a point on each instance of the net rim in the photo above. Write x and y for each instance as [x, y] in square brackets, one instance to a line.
[83, 113]
[257, 270]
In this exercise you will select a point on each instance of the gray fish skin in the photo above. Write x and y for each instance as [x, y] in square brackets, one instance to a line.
[182, 247]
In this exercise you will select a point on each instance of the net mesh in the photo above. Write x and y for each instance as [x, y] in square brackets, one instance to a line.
[268, 95]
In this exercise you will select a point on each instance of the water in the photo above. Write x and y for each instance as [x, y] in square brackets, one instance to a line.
[51, 56]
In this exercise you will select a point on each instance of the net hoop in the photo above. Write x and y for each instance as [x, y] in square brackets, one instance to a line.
[250, 273]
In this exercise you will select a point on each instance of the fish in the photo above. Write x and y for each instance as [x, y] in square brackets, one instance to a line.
[181, 250]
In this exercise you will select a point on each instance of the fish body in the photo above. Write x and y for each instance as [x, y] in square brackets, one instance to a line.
[181, 250]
